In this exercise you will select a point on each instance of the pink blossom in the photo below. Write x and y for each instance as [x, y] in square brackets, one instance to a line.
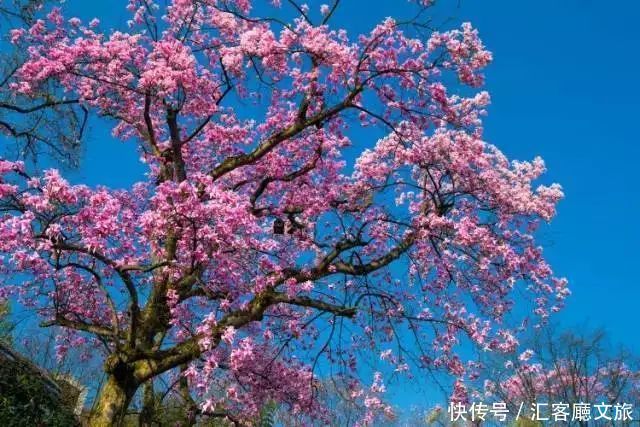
[229, 335]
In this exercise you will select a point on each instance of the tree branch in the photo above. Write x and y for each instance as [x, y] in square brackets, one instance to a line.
[80, 326]
[267, 146]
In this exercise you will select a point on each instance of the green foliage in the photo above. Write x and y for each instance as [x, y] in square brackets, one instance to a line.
[6, 325]
[26, 401]
[172, 411]
[268, 415]
[433, 417]
[524, 422]
[26, 397]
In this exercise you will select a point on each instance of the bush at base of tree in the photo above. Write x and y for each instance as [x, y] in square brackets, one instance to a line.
[25, 400]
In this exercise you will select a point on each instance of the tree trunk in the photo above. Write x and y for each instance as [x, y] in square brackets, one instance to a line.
[190, 406]
[147, 413]
[112, 402]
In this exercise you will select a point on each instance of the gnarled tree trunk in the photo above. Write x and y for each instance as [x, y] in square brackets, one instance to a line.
[113, 400]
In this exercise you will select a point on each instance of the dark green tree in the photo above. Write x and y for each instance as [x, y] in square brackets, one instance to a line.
[6, 325]
[28, 396]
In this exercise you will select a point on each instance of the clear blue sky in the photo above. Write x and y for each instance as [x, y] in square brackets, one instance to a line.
[564, 86]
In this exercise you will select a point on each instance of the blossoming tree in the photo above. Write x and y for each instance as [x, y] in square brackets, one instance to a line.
[40, 122]
[566, 369]
[259, 248]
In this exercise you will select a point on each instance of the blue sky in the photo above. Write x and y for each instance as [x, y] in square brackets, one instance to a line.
[564, 86]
